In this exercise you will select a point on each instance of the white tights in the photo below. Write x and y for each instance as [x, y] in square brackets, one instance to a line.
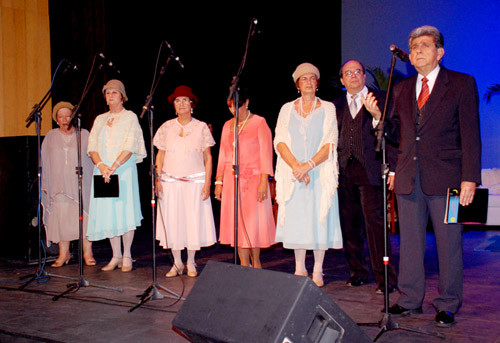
[178, 258]
[300, 260]
[116, 244]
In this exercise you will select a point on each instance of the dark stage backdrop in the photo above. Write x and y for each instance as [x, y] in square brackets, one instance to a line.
[210, 42]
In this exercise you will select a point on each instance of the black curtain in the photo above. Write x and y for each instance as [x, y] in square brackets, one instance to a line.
[210, 43]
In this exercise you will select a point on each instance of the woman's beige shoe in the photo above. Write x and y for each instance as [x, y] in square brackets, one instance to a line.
[59, 262]
[89, 261]
[301, 273]
[115, 262]
[191, 270]
[175, 271]
[317, 278]
[127, 268]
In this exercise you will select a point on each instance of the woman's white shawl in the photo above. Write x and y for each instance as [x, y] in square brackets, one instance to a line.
[328, 170]
[125, 136]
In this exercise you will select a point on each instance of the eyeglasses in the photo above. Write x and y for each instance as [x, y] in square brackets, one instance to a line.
[180, 100]
[354, 72]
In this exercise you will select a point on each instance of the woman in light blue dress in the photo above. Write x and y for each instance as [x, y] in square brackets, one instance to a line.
[116, 145]
[307, 174]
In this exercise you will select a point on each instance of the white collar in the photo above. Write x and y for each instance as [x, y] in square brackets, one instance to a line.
[364, 92]
[431, 77]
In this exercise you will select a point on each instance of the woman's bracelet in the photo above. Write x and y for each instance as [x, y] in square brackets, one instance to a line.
[218, 183]
[311, 163]
[98, 164]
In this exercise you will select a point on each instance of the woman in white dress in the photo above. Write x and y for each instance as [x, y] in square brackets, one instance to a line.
[184, 172]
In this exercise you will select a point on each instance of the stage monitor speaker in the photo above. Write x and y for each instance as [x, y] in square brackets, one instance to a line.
[18, 198]
[230, 303]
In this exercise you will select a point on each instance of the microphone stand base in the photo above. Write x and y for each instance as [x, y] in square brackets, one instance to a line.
[153, 293]
[387, 324]
[82, 282]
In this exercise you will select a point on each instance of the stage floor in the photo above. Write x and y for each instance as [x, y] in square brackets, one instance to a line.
[96, 314]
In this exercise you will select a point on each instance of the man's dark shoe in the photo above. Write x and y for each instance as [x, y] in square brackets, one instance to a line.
[444, 319]
[380, 289]
[356, 281]
[400, 310]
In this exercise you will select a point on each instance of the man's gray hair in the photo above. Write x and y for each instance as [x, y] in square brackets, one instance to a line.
[427, 30]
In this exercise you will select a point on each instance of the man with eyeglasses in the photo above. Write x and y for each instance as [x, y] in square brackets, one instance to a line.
[361, 202]
[436, 119]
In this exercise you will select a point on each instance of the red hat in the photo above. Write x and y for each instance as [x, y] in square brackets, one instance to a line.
[183, 91]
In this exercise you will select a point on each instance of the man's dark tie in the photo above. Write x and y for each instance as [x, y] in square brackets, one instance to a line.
[424, 94]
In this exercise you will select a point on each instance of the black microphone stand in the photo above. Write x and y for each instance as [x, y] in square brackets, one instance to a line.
[234, 95]
[387, 323]
[35, 116]
[152, 292]
[81, 281]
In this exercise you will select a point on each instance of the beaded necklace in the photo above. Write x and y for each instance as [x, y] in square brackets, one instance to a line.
[241, 126]
[304, 121]
[302, 112]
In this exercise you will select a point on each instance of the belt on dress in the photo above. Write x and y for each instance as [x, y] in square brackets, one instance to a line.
[246, 172]
[190, 178]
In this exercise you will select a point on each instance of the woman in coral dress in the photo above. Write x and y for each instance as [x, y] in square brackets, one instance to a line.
[184, 165]
[256, 226]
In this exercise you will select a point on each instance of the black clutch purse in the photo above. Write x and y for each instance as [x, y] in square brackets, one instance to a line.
[106, 190]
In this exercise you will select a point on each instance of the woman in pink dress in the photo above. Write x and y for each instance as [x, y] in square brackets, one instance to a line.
[184, 168]
[256, 226]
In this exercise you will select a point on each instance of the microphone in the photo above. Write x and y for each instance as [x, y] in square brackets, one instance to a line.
[174, 56]
[146, 106]
[108, 63]
[403, 56]
[70, 66]
[255, 23]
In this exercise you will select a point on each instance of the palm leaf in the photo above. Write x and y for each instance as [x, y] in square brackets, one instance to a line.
[492, 90]
[381, 79]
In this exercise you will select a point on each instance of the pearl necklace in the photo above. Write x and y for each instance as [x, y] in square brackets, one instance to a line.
[304, 120]
[241, 126]
[66, 138]
[302, 112]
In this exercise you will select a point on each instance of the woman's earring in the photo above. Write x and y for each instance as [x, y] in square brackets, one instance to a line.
[192, 111]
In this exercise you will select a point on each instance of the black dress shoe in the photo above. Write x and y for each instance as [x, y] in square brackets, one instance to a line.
[355, 281]
[400, 310]
[381, 288]
[444, 319]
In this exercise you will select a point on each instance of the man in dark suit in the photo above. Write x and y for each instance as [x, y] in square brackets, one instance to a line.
[436, 120]
[361, 202]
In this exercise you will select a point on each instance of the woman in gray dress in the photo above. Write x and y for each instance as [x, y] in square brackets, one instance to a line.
[60, 185]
